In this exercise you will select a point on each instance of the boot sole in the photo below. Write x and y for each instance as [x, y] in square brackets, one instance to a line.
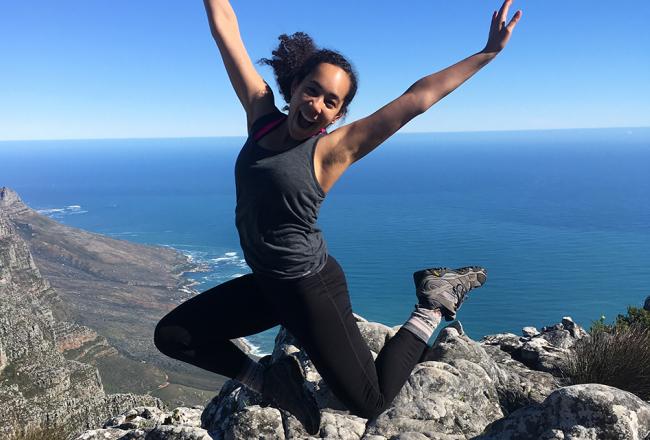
[445, 273]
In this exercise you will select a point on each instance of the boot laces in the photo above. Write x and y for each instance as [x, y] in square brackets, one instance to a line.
[460, 292]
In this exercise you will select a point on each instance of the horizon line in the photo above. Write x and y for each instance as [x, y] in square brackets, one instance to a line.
[243, 136]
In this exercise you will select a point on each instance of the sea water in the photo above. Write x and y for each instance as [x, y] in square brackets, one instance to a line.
[560, 218]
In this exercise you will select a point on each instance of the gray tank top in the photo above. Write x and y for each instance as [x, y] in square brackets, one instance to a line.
[278, 199]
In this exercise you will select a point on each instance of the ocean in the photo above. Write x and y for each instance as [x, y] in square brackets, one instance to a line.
[560, 218]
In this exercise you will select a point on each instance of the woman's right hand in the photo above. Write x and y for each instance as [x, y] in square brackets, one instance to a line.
[499, 32]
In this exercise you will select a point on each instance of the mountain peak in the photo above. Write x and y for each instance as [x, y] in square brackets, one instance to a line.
[8, 196]
[10, 201]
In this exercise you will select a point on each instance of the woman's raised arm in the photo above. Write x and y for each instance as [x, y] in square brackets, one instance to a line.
[253, 92]
[433, 88]
[357, 139]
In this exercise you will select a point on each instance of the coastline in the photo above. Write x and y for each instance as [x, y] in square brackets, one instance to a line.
[186, 284]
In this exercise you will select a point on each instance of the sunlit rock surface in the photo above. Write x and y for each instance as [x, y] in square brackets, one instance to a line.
[461, 389]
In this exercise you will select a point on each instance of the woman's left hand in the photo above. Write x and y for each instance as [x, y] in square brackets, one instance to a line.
[499, 32]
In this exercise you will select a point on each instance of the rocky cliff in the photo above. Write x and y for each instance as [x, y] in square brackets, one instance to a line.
[504, 387]
[120, 290]
[39, 387]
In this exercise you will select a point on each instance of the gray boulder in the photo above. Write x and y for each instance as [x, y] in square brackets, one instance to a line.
[152, 423]
[529, 332]
[579, 412]
[254, 422]
[165, 432]
[508, 342]
[547, 350]
[222, 415]
[441, 398]
[514, 384]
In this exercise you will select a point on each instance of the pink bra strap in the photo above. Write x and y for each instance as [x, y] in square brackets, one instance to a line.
[268, 127]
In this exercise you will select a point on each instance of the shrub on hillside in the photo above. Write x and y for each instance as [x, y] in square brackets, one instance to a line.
[635, 316]
[617, 356]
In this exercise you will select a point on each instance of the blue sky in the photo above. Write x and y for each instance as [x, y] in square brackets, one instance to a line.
[124, 68]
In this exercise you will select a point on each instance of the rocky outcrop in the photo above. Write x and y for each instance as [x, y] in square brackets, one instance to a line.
[116, 287]
[461, 389]
[586, 412]
[544, 351]
[152, 423]
[80, 343]
[39, 387]
[114, 292]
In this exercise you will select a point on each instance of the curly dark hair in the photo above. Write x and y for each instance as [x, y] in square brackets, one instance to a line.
[297, 56]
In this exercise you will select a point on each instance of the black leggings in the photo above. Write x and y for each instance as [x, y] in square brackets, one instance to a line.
[316, 310]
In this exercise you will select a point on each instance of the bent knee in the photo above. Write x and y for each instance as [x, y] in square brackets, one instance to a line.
[170, 338]
[159, 337]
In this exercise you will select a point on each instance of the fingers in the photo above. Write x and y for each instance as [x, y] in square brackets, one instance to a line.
[513, 21]
[503, 13]
[493, 23]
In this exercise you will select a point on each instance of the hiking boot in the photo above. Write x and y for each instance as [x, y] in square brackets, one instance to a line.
[284, 387]
[445, 288]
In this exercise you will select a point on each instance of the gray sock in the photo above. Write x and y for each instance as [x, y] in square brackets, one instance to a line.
[423, 322]
[252, 375]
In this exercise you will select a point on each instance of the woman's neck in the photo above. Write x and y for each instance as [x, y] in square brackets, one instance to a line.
[285, 138]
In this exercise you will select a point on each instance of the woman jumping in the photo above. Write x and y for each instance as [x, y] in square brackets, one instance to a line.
[284, 171]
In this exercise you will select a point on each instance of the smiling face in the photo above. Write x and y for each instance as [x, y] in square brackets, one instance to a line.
[319, 98]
